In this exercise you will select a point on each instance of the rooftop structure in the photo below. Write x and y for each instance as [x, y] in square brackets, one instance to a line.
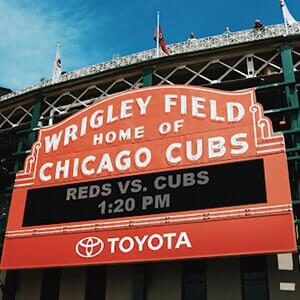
[202, 44]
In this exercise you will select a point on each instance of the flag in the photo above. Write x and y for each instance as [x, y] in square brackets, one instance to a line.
[57, 65]
[288, 18]
[161, 40]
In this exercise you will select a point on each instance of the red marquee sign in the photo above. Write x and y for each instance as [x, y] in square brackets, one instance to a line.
[158, 173]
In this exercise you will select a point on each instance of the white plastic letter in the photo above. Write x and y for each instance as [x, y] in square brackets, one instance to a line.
[216, 147]
[183, 239]
[45, 166]
[169, 156]
[236, 142]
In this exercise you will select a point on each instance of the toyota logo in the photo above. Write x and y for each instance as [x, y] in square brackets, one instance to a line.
[89, 247]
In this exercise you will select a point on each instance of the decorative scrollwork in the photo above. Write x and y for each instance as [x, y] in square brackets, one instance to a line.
[28, 174]
[263, 132]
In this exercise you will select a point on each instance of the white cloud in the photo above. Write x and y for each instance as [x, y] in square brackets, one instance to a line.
[29, 33]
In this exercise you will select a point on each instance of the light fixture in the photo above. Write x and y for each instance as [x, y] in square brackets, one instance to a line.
[282, 121]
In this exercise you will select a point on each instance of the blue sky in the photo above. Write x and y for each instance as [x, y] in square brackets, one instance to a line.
[93, 31]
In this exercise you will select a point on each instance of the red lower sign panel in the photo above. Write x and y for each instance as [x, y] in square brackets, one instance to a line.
[202, 239]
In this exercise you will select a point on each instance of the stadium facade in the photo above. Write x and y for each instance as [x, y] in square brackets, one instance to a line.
[224, 249]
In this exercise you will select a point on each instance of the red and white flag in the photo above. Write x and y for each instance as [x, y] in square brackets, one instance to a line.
[159, 38]
[56, 72]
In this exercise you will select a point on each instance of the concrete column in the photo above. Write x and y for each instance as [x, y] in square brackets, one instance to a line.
[72, 284]
[164, 281]
[29, 285]
[223, 279]
[119, 282]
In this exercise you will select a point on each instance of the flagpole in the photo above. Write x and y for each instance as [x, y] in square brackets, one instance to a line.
[57, 64]
[57, 46]
[157, 36]
[57, 51]
[286, 27]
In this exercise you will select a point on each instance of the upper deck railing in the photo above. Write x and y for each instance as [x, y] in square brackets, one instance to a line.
[207, 43]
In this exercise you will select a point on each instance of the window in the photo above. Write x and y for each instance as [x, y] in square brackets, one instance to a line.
[50, 284]
[194, 280]
[95, 283]
[254, 278]
[11, 285]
